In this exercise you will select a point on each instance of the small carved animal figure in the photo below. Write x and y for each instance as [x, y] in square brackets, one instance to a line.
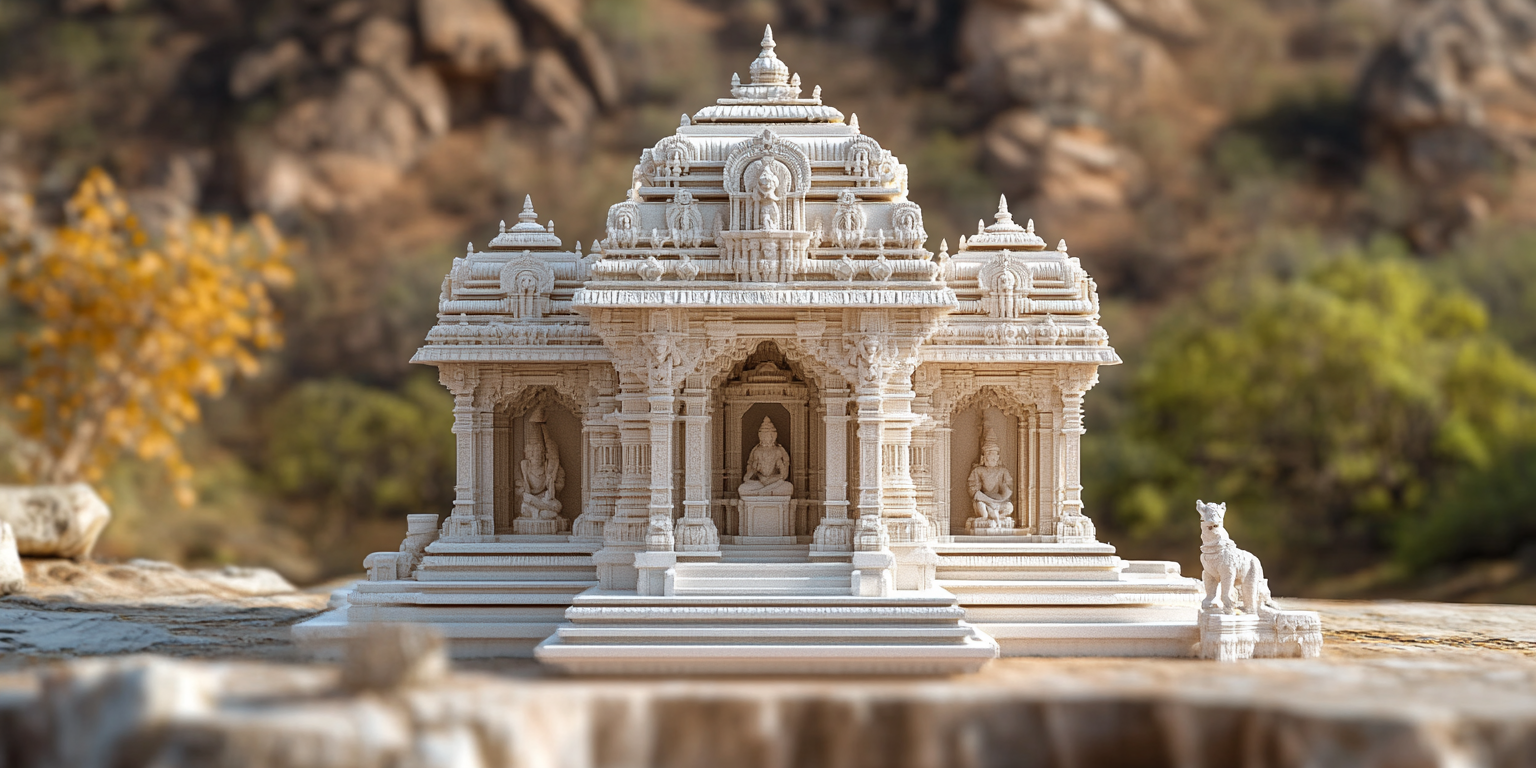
[1237, 574]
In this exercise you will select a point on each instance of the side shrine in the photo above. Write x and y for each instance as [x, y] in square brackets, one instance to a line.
[760, 428]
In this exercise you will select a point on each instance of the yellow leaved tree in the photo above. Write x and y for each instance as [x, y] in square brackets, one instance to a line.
[128, 329]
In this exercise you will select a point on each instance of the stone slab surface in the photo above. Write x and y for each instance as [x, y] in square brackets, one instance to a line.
[1399, 684]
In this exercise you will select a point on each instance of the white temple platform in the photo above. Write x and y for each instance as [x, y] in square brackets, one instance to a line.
[1050, 599]
[620, 633]
[497, 598]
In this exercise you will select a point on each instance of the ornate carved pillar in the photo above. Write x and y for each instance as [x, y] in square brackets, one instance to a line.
[942, 482]
[1073, 525]
[600, 472]
[696, 532]
[922, 455]
[624, 533]
[835, 531]
[485, 458]
[1048, 491]
[871, 534]
[462, 380]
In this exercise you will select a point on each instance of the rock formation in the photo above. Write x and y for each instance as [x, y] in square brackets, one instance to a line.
[54, 520]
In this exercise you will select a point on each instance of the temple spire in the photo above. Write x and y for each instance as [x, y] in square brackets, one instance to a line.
[1002, 209]
[528, 215]
[767, 69]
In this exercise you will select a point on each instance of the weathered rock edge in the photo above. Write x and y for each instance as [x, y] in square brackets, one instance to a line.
[143, 711]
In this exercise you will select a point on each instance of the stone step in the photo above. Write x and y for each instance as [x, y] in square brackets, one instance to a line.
[1168, 639]
[729, 578]
[493, 592]
[1174, 591]
[765, 553]
[908, 633]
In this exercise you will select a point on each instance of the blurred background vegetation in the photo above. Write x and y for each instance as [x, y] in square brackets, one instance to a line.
[1311, 221]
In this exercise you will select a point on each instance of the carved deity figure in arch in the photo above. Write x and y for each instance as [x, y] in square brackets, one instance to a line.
[766, 193]
[991, 487]
[767, 470]
[540, 477]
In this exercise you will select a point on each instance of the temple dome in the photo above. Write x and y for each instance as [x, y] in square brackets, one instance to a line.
[768, 69]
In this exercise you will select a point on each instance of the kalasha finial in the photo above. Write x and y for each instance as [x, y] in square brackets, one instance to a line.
[853, 122]
[685, 122]
[1002, 209]
[469, 248]
[794, 80]
[578, 248]
[944, 249]
[1030, 227]
[768, 43]
[550, 227]
[528, 216]
[981, 226]
[503, 229]
[735, 80]
[1062, 246]
[816, 93]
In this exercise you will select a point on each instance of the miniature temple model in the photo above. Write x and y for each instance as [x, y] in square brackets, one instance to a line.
[759, 426]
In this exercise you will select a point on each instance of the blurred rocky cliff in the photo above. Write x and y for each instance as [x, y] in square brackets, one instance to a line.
[1162, 138]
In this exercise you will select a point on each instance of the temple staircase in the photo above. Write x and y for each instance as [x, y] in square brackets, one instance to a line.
[1039, 598]
[496, 598]
[743, 633]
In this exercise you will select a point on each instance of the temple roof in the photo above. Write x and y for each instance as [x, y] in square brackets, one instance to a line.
[773, 96]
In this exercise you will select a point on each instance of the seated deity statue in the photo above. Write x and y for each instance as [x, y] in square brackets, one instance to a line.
[991, 485]
[767, 472]
[541, 476]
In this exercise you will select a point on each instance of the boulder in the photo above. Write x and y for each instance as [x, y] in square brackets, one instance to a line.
[1071, 166]
[1062, 58]
[1453, 91]
[12, 577]
[54, 520]
[476, 36]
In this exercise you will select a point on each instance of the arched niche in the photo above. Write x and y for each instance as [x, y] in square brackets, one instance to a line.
[513, 426]
[965, 451]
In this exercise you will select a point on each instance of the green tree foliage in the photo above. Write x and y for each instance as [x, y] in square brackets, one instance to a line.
[1324, 404]
[1484, 513]
[343, 454]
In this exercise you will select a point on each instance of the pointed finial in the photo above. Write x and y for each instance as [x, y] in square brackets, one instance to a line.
[1062, 246]
[981, 226]
[943, 248]
[768, 37]
[816, 93]
[578, 248]
[853, 122]
[794, 80]
[1002, 210]
[685, 122]
[528, 216]
[1030, 227]
[503, 226]
[735, 80]
[469, 248]
[550, 227]
[962, 242]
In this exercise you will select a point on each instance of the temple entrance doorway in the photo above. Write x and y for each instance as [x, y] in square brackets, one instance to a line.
[769, 467]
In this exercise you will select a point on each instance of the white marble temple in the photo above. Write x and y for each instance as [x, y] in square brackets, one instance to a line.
[792, 438]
